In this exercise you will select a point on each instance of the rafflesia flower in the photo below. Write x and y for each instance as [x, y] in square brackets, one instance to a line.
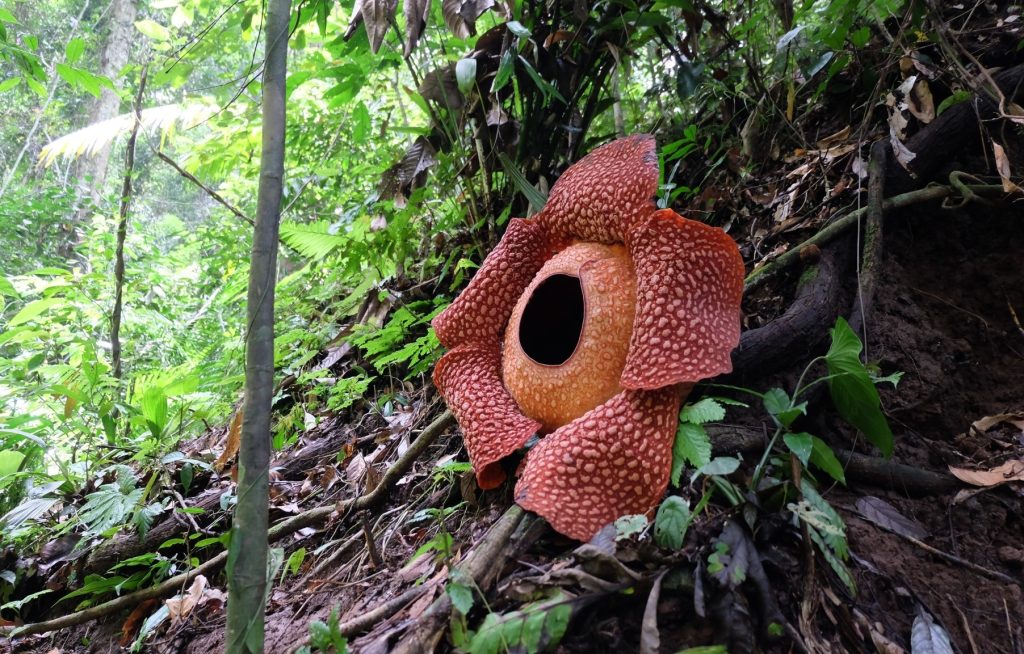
[588, 324]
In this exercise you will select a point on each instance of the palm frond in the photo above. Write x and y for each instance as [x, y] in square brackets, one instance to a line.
[92, 138]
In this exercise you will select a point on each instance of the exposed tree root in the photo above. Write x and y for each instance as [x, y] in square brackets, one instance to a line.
[803, 325]
[839, 226]
[309, 518]
[859, 468]
[871, 258]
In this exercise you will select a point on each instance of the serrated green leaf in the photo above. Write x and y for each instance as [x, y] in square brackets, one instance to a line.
[692, 446]
[532, 629]
[461, 597]
[671, 523]
[704, 411]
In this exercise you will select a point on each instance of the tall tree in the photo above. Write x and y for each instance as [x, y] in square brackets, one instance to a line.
[92, 171]
[247, 560]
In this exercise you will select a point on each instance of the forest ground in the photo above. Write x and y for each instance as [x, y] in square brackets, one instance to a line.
[946, 311]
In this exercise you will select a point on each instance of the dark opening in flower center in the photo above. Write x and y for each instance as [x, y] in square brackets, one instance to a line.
[553, 320]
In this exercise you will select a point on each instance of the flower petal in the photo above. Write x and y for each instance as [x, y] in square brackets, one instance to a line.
[603, 194]
[469, 379]
[613, 461]
[689, 286]
[481, 311]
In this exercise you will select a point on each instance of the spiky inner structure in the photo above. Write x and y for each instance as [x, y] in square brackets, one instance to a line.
[557, 392]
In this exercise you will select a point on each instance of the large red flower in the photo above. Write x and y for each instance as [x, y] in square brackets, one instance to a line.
[589, 324]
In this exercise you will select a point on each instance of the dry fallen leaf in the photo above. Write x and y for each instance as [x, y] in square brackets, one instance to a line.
[834, 139]
[885, 515]
[1012, 470]
[1003, 168]
[920, 102]
[988, 422]
[179, 607]
[233, 442]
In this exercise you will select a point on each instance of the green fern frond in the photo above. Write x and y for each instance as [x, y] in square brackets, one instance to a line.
[311, 240]
[93, 138]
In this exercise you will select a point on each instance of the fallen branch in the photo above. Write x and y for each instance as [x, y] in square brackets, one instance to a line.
[278, 531]
[485, 560]
[839, 226]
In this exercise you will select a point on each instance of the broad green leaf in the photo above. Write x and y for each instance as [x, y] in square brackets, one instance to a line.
[7, 17]
[823, 457]
[9, 84]
[853, 394]
[153, 29]
[801, 445]
[465, 74]
[73, 50]
[671, 522]
[723, 465]
[518, 29]
[6, 287]
[704, 411]
[505, 69]
[692, 446]
[34, 309]
[10, 462]
[776, 401]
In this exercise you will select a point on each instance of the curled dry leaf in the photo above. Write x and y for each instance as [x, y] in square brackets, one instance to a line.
[1003, 168]
[1012, 470]
[416, 14]
[920, 101]
[988, 422]
[461, 15]
[377, 15]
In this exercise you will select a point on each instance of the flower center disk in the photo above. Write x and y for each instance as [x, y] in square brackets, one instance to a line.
[567, 340]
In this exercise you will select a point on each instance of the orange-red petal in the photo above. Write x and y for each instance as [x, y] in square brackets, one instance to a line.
[469, 379]
[603, 194]
[689, 285]
[481, 311]
[612, 461]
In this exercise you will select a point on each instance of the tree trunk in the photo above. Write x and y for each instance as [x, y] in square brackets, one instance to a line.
[247, 559]
[92, 171]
